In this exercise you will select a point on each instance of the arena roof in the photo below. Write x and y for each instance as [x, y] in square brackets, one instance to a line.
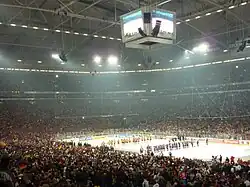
[32, 30]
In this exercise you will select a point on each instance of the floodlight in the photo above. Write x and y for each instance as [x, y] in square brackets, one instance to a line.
[55, 56]
[188, 52]
[97, 59]
[112, 60]
[60, 57]
[242, 46]
[63, 56]
[202, 48]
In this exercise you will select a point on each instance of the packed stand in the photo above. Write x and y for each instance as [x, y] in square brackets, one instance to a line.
[46, 106]
[61, 165]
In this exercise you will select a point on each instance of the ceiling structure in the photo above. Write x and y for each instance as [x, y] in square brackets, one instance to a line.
[31, 30]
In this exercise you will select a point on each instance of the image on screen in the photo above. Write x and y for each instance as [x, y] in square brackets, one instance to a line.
[131, 23]
[166, 18]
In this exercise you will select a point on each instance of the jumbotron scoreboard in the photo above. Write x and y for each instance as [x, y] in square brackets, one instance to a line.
[148, 28]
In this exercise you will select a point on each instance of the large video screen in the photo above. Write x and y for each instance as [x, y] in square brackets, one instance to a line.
[167, 21]
[131, 23]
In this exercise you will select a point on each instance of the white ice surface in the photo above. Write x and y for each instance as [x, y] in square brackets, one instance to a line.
[204, 152]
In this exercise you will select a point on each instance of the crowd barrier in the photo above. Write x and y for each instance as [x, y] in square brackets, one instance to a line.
[233, 142]
[98, 137]
[223, 141]
[217, 140]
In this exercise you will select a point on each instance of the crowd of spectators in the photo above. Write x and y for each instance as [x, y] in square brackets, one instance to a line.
[35, 159]
[35, 109]
[62, 165]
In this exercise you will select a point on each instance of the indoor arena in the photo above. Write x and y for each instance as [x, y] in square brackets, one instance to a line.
[124, 93]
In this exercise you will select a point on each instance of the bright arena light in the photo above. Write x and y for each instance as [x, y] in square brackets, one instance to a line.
[97, 59]
[55, 56]
[202, 48]
[112, 60]
[188, 52]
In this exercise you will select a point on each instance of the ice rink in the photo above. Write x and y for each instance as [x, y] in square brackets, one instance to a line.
[204, 152]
